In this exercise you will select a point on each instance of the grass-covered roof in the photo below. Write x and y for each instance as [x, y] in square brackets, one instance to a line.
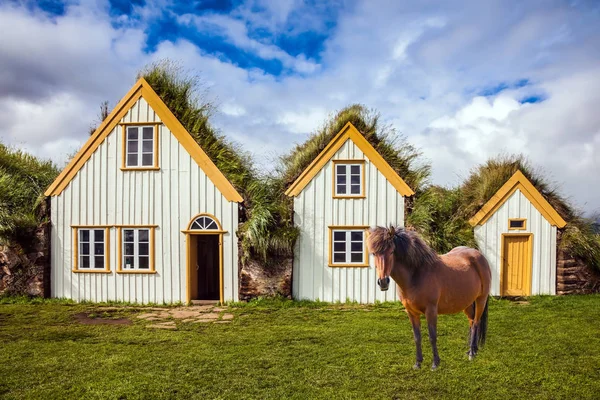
[401, 155]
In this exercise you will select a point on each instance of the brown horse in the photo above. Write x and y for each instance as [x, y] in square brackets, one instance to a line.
[431, 284]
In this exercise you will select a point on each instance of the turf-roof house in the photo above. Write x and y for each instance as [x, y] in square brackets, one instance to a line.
[517, 232]
[142, 214]
[348, 187]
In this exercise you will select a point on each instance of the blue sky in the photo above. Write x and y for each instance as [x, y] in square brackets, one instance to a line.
[462, 81]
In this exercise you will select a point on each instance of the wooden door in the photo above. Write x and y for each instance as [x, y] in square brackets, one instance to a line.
[516, 265]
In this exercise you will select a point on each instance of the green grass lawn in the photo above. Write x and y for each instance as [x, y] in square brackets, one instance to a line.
[548, 348]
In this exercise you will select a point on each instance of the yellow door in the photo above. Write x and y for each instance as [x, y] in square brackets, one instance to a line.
[516, 265]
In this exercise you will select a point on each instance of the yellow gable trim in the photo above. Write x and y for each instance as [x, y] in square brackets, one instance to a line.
[143, 89]
[349, 132]
[518, 182]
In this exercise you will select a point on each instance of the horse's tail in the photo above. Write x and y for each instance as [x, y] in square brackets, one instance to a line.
[483, 324]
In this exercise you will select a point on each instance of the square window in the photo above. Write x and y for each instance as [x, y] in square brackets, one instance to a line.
[348, 247]
[516, 224]
[85, 262]
[140, 149]
[84, 235]
[99, 235]
[136, 249]
[85, 248]
[348, 179]
[99, 262]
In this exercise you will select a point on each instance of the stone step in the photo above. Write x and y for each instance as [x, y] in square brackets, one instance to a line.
[204, 302]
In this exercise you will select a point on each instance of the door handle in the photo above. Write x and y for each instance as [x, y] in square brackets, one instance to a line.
[197, 267]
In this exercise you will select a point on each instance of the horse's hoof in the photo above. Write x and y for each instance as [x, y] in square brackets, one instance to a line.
[417, 366]
[471, 357]
[434, 367]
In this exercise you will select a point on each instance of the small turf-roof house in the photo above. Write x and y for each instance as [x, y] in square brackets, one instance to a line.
[346, 189]
[517, 232]
[142, 214]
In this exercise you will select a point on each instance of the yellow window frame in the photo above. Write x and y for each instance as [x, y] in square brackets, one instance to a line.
[364, 228]
[362, 194]
[151, 250]
[124, 126]
[76, 269]
[522, 228]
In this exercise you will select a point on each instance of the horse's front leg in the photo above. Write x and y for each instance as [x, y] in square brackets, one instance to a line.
[415, 321]
[431, 316]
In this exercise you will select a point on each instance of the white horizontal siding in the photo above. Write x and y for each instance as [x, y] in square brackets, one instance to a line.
[315, 210]
[102, 194]
[489, 240]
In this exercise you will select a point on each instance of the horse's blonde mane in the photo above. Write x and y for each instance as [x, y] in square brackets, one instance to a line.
[409, 249]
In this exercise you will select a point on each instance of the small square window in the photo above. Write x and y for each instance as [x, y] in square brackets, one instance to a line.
[140, 147]
[91, 248]
[348, 179]
[348, 247]
[517, 224]
[136, 250]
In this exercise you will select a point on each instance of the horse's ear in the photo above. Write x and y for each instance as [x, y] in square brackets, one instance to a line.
[391, 230]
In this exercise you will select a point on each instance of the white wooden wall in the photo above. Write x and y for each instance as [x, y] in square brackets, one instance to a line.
[102, 194]
[315, 210]
[489, 239]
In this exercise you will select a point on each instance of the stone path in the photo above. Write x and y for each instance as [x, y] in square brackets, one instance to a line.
[166, 318]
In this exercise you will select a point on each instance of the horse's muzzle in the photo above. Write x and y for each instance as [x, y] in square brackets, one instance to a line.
[384, 283]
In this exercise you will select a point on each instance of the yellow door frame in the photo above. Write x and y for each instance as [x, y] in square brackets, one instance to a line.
[188, 236]
[529, 260]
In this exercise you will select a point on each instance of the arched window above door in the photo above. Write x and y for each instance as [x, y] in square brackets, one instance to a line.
[204, 222]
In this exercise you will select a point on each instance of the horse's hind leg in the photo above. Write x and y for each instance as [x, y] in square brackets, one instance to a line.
[479, 308]
[470, 313]
[415, 321]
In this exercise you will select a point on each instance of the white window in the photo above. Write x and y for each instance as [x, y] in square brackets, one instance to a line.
[348, 179]
[92, 249]
[136, 249]
[348, 247]
[140, 147]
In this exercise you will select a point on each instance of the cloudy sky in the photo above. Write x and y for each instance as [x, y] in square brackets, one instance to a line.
[462, 81]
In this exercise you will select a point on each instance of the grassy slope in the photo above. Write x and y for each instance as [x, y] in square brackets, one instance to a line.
[547, 349]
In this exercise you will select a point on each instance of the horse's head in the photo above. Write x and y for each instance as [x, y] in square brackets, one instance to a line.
[381, 244]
